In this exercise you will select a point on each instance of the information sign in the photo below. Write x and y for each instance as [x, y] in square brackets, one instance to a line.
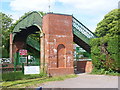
[22, 59]
[31, 70]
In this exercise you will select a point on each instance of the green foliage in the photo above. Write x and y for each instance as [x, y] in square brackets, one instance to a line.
[114, 50]
[105, 53]
[11, 76]
[95, 50]
[103, 71]
[109, 25]
[95, 42]
[113, 44]
[106, 49]
[103, 40]
[86, 54]
[5, 30]
[6, 21]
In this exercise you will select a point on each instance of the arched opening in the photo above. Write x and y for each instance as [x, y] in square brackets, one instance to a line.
[28, 38]
[61, 57]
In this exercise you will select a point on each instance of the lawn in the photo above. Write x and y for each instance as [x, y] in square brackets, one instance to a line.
[24, 81]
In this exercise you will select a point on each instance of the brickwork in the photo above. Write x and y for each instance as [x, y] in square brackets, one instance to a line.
[58, 44]
[15, 47]
[84, 66]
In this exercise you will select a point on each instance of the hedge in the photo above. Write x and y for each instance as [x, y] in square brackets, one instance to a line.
[105, 52]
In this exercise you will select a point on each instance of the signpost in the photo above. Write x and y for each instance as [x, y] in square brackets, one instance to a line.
[23, 57]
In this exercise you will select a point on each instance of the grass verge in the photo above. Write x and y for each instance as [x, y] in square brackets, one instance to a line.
[12, 76]
[33, 82]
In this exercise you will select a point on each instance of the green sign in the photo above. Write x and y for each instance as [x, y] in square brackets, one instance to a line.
[22, 59]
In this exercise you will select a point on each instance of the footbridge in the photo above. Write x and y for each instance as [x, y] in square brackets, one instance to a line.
[57, 32]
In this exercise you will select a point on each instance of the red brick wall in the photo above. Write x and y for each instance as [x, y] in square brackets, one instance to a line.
[84, 66]
[89, 67]
[58, 31]
[15, 47]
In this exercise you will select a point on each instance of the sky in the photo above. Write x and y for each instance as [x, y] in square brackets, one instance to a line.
[88, 12]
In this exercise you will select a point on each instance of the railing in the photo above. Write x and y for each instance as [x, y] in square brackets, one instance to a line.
[81, 28]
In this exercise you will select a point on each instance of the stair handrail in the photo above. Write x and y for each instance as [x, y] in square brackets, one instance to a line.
[83, 29]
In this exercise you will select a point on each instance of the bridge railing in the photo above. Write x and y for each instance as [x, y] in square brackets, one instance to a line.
[81, 28]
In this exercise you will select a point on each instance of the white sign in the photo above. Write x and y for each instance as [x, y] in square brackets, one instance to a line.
[31, 69]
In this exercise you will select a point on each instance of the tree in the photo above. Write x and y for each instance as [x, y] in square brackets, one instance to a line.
[105, 50]
[109, 25]
[5, 29]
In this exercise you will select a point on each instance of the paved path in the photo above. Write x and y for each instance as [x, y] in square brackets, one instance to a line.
[85, 81]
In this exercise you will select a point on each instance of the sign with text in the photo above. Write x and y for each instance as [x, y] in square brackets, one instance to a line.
[23, 52]
[31, 70]
[22, 59]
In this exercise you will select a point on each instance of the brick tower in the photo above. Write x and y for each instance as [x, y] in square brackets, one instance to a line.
[58, 44]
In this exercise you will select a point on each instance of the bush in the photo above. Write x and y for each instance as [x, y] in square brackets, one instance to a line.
[105, 52]
[103, 71]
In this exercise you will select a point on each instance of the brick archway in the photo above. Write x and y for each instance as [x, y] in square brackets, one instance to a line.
[61, 57]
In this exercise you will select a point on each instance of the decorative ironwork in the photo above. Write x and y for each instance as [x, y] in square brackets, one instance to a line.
[81, 28]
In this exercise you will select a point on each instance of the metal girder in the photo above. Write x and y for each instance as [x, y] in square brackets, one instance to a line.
[23, 26]
[34, 18]
[83, 29]
[83, 34]
[33, 43]
[80, 35]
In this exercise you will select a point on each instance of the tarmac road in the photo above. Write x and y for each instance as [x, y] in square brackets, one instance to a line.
[85, 81]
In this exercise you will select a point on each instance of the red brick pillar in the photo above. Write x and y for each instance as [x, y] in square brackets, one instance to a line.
[11, 47]
[42, 53]
[58, 44]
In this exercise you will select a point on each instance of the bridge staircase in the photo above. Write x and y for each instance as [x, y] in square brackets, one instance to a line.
[82, 35]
